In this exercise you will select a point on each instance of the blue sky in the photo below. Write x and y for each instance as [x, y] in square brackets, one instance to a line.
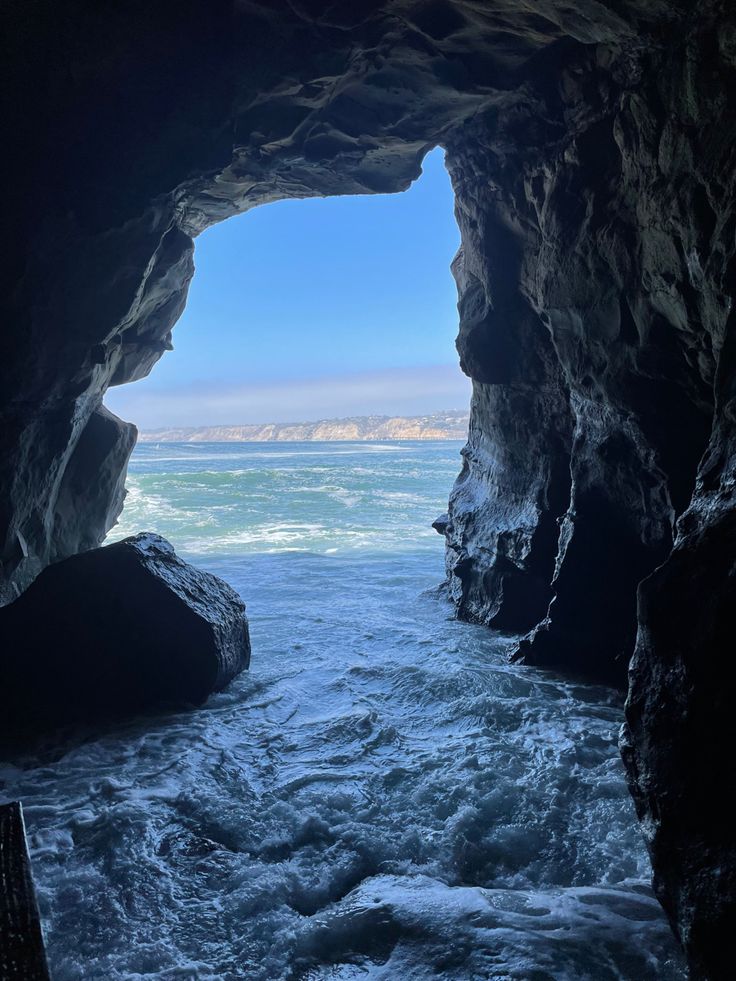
[303, 310]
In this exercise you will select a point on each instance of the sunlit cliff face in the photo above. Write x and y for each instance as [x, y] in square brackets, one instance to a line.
[591, 152]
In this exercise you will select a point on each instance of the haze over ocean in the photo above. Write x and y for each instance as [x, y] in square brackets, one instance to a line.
[305, 310]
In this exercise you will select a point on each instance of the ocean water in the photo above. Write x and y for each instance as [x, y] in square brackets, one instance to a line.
[382, 796]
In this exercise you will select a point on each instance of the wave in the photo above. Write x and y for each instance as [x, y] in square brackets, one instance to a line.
[382, 796]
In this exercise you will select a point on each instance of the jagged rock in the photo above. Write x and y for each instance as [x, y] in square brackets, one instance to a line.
[441, 523]
[92, 490]
[592, 337]
[115, 630]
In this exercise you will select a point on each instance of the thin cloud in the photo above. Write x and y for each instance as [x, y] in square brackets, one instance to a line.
[401, 391]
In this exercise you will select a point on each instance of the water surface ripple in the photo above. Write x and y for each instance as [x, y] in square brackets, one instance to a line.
[382, 796]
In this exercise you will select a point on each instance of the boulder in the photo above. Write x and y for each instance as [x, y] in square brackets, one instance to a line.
[116, 630]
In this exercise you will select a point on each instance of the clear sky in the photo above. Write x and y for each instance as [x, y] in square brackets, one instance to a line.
[304, 310]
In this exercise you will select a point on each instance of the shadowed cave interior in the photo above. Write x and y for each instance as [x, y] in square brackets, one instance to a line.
[591, 150]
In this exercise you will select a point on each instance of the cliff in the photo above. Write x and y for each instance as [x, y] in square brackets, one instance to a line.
[444, 425]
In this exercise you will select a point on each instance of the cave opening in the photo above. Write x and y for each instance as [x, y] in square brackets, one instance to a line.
[372, 757]
[321, 329]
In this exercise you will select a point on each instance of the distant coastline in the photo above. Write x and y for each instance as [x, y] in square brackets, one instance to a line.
[438, 425]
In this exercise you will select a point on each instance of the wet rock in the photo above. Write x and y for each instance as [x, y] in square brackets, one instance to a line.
[441, 524]
[115, 630]
[680, 731]
[592, 336]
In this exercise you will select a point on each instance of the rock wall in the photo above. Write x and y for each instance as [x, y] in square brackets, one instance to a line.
[591, 149]
[594, 293]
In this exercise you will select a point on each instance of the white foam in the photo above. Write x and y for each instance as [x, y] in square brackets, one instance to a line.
[381, 796]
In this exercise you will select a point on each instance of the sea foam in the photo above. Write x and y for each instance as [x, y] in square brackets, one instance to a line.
[382, 796]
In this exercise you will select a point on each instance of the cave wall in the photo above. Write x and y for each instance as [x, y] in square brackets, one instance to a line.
[590, 146]
[594, 292]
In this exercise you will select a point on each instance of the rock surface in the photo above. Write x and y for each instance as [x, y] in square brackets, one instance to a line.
[679, 733]
[592, 334]
[115, 630]
[592, 148]
[92, 491]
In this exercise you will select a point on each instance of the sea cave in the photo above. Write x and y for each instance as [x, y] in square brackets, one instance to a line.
[591, 533]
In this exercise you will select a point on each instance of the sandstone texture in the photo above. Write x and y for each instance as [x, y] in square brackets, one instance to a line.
[592, 148]
[439, 425]
[116, 630]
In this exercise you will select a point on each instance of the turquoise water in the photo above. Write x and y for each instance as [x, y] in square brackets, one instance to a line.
[381, 796]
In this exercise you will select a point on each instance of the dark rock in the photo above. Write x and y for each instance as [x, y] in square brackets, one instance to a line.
[680, 727]
[92, 489]
[441, 524]
[115, 630]
[592, 349]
